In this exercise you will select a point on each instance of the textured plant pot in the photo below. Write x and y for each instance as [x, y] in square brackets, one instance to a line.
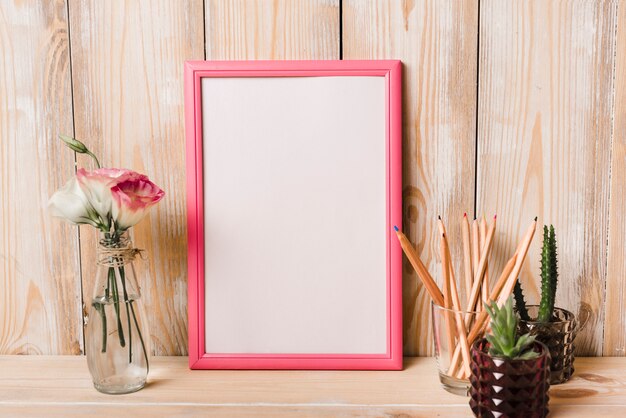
[558, 335]
[509, 388]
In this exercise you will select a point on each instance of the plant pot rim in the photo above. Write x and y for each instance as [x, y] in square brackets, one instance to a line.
[567, 313]
[544, 351]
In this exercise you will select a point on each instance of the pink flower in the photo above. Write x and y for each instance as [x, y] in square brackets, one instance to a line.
[131, 200]
[97, 186]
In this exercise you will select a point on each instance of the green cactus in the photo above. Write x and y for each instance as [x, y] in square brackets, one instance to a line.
[549, 275]
[503, 338]
[549, 279]
[520, 303]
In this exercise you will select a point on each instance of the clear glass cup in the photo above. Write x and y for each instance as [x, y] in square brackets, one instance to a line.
[456, 380]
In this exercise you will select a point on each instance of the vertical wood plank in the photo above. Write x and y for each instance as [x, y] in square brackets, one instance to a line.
[437, 43]
[615, 326]
[544, 128]
[127, 61]
[40, 298]
[283, 29]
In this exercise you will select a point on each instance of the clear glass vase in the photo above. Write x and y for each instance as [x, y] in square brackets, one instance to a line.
[558, 335]
[117, 338]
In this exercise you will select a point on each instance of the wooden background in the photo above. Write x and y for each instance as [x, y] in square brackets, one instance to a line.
[515, 107]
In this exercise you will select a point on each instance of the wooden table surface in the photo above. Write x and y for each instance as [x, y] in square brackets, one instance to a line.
[60, 386]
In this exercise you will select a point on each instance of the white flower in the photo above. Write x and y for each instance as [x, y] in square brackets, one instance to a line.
[70, 203]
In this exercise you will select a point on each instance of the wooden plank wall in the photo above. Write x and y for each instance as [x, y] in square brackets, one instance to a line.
[40, 292]
[615, 308]
[509, 107]
[544, 139]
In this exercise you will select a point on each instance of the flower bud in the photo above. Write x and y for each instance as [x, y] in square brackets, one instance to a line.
[74, 144]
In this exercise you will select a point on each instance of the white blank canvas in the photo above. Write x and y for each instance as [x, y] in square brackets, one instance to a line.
[294, 214]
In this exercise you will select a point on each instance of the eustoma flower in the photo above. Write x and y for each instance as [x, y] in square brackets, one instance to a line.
[131, 200]
[97, 186]
[71, 203]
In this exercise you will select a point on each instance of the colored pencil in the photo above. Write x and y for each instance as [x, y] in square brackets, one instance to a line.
[480, 270]
[501, 291]
[456, 304]
[475, 237]
[467, 256]
[483, 235]
[447, 297]
[428, 282]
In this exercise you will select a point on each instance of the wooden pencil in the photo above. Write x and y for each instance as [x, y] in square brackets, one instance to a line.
[510, 284]
[480, 270]
[483, 236]
[475, 237]
[447, 297]
[501, 291]
[427, 280]
[456, 304]
[476, 328]
[506, 289]
[467, 257]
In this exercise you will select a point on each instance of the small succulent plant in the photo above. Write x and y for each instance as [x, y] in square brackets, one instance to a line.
[503, 339]
[549, 279]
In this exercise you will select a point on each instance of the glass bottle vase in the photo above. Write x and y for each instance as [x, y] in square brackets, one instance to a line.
[117, 337]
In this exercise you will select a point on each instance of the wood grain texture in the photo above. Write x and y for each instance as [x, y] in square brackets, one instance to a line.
[615, 324]
[551, 139]
[40, 297]
[544, 130]
[64, 389]
[127, 64]
[437, 44]
[282, 29]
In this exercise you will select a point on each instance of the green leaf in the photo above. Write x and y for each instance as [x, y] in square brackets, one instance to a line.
[503, 338]
[528, 355]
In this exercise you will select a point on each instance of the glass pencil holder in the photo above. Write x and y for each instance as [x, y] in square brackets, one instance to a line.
[453, 368]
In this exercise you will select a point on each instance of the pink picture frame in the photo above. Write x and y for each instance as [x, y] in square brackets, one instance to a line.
[387, 70]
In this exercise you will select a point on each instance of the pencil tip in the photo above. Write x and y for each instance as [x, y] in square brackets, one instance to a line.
[439, 217]
[465, 214]
[396, 228]
[535, 219]
[495, 216]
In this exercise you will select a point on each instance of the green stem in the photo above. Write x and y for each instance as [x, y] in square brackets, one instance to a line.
[116, 304]
[91, 154]
[127, 303]
[106, 289]
[100, 308]
[143, 346]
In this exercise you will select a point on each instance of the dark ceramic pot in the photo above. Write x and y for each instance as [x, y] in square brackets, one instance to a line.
[509, 388]
[558, 335]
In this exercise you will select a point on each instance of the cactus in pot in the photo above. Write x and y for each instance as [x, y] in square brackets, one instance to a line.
[510, 373]
[555, 327]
